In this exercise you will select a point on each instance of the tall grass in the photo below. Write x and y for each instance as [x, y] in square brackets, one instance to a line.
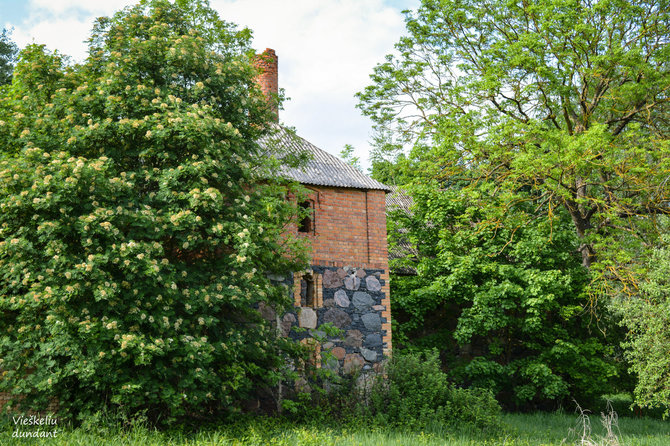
[518, 430]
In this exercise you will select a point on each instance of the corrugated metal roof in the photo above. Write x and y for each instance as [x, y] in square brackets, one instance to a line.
[322, 169]
[398, 199]
[402, 248]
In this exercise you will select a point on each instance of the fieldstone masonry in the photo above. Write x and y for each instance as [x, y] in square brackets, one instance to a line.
[307, 318]
[352, 302]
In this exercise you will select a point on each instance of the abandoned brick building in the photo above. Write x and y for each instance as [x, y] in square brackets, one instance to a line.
[348, 282]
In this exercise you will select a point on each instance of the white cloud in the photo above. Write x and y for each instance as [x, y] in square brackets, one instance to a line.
[60, 7]
[326, 49]
[64, 25]
[50, 33]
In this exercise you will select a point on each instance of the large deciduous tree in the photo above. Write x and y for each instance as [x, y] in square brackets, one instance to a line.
[138, 218]
[503, 303]
[8, 50]
[568, 98]
[526, 120]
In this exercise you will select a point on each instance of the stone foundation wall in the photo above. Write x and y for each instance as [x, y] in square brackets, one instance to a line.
[354, 301]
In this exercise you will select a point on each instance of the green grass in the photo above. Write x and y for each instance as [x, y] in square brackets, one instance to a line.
[551, 429]
[517, 430]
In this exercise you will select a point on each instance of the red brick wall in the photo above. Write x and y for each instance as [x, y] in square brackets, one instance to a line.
[350, 230]
[4, 398]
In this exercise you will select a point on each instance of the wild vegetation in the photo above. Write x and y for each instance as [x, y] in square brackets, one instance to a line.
[138, 220]
[8, 50]
[648, 342]
[138, 217]
[517, 430]
[503, 304]
[532, 138]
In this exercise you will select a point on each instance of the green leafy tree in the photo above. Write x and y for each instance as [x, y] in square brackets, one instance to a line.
[138, 218]
[388, 162]
[8, 50]
[503, 303]
[648, 319]
[347, 154]
[538, 111]
[569, 98]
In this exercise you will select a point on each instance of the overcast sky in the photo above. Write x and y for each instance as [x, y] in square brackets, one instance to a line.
[326, 49]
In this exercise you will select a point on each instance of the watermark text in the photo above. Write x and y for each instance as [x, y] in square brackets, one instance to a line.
[35, 427]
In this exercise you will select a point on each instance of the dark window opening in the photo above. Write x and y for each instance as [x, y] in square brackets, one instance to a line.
[307, 291]
[306, 224]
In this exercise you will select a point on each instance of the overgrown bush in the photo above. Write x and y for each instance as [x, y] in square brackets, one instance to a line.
[625, 406]
[315, 392]
[138, 216]
[506, 305]
[647, 318]
[414, 391]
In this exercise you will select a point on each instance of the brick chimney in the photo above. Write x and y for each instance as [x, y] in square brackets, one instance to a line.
[268, 79]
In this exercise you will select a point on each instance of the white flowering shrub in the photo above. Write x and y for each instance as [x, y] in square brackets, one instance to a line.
[138, 218]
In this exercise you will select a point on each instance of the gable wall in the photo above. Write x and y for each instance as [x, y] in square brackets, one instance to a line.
[350, 231]
[350, 226]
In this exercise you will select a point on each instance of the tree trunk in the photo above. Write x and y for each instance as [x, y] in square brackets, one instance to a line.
[582, 224]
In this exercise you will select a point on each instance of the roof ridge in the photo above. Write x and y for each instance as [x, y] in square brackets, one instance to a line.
[324, 169]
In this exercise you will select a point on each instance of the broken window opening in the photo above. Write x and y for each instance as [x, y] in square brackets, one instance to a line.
[306, 224]
[307, 291]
